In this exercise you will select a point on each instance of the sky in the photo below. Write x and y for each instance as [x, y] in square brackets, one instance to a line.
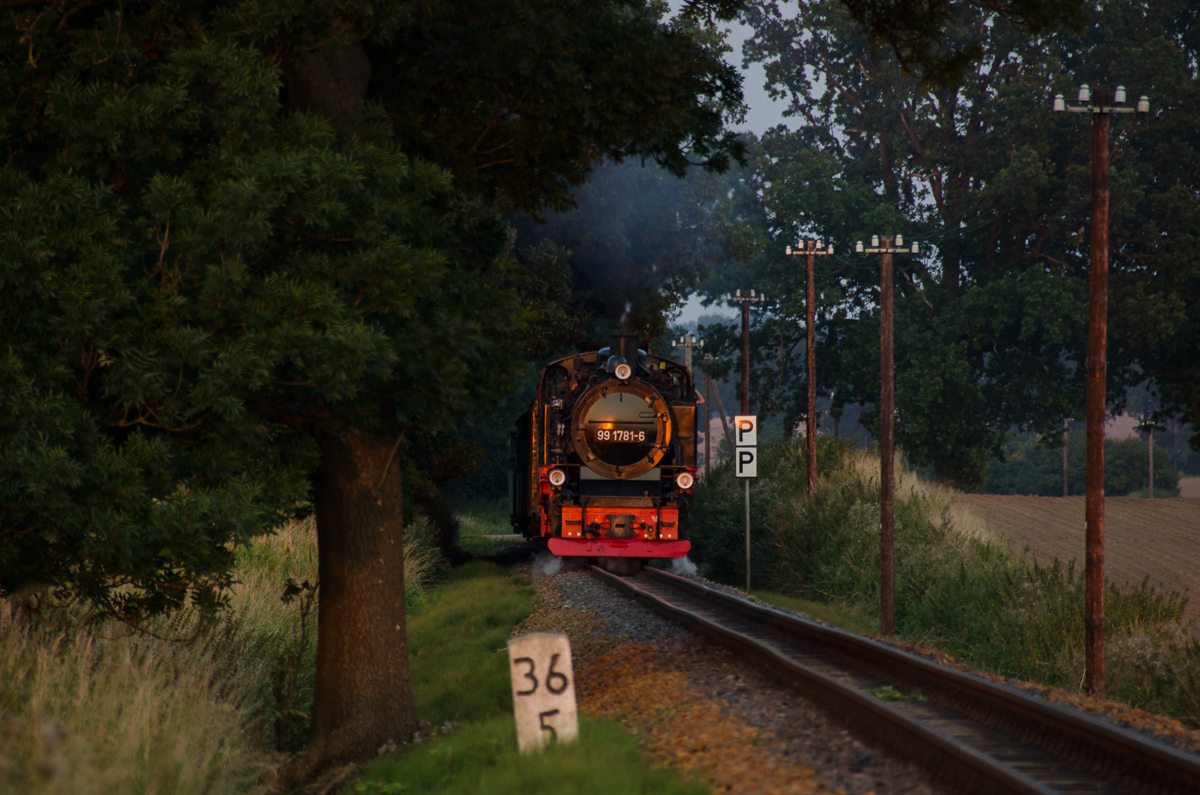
[693, 309]
[763, 114]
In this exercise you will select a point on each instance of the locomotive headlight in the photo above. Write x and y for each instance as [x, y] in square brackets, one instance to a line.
[557, 477]
[684, 480]
[623, 372]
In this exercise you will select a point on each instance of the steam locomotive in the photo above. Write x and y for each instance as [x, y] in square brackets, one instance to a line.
[604, 462]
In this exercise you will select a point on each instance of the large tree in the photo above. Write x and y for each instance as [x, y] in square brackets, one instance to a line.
[226, 278]
[915, 30]
[989, 322]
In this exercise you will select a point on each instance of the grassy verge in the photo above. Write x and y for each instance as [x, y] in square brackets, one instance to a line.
[106, 711]
[851, 621]
[957, 590]
[457, 637]
[483, 757]
[456, 641]
[480, 519]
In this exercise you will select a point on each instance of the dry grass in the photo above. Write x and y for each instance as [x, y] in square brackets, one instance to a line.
[83, 715]
[105, 711]
[960, 585]
[942, 503]
[1151, 541]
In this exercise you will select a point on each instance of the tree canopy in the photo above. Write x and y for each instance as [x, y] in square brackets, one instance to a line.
[191, 275]
[990, 327]
[914, 30]
[248, 247]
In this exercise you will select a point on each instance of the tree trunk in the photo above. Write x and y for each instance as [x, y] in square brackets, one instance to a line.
[951, 268]
[363, 696]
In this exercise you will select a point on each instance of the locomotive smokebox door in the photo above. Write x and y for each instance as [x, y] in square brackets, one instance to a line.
[621, 430]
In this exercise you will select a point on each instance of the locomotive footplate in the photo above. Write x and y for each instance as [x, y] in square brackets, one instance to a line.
[619, 547]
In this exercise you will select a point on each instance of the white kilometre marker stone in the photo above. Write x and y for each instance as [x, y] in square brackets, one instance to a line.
[543, 685]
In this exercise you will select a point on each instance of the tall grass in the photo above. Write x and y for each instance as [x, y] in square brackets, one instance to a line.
[82, 715]
[106, 711]
[958, 588]
[483, 517]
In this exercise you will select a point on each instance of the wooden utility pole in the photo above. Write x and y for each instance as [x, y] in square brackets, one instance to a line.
[745, 301]
[1097, 371]
[887, 416]
[811, 249]
[745, 357]
[1093, 612]
[887, 419]
[688, 342]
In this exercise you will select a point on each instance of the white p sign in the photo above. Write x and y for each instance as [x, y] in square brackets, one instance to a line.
[745, 460]
[543, 687]
[745, 451]
[745, 430]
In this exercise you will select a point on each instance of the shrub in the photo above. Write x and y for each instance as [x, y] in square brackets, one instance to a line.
[956, 588]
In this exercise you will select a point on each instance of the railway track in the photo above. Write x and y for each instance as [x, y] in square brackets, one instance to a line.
[977, 735]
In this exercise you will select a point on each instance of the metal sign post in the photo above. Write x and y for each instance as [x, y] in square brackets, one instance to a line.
[745, 458]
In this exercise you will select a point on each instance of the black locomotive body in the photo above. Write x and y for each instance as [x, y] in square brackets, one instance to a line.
[604, 461]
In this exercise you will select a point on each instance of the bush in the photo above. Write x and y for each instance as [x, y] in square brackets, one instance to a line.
[717, 522]
[956, 589]
[1031, 469]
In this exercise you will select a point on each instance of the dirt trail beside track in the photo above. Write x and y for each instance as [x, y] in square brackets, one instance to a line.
[1159, 539]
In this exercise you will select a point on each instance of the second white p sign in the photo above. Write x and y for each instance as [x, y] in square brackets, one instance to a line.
[745, 428]
[543, 686]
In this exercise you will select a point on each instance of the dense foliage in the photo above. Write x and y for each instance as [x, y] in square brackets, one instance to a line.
[991, 315]
[190, 273]
[1033, 468]
[208, 255]
[957, 588]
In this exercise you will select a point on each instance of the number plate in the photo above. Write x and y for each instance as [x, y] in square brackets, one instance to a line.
[543, 686]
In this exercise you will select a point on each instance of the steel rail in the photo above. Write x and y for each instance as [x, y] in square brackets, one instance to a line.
[1126, 761]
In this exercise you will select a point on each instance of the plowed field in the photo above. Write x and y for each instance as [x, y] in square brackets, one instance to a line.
[1159, 539]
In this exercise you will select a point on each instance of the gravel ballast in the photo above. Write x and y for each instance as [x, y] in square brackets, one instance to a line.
[696, 707]
[1149, 724]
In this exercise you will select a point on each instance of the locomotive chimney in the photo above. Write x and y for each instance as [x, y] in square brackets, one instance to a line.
[625, 346]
